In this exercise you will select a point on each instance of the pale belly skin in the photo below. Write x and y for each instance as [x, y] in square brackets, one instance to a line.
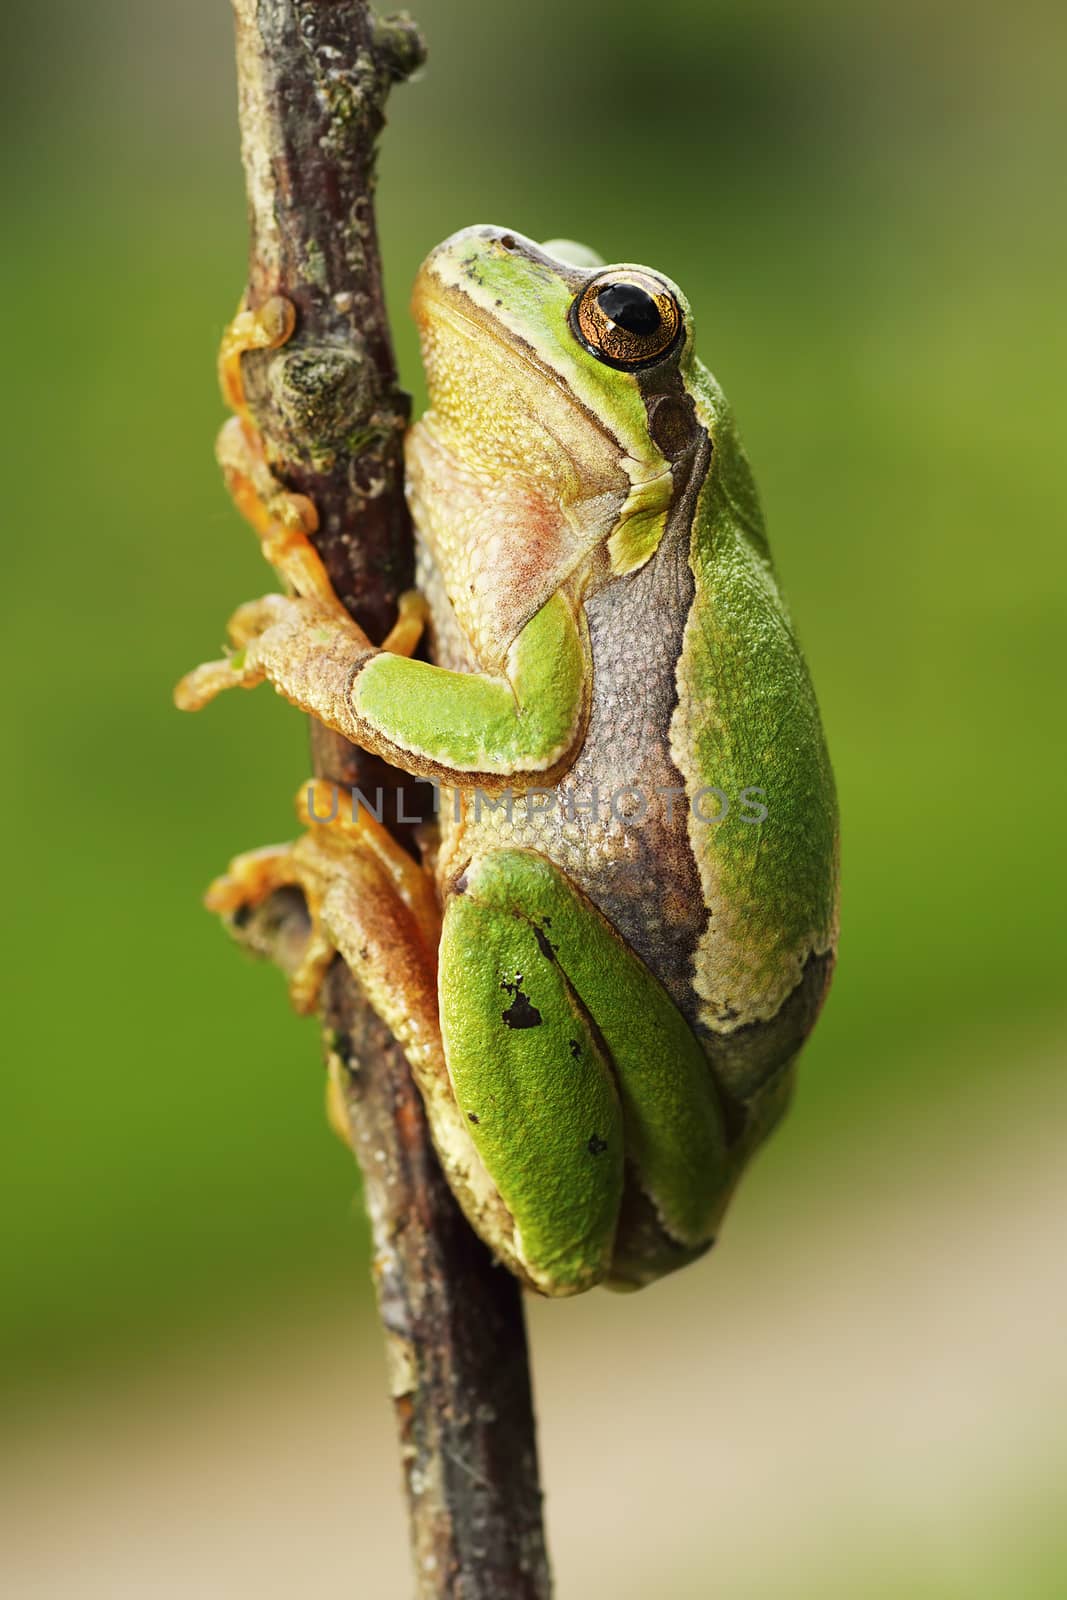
[641, 876]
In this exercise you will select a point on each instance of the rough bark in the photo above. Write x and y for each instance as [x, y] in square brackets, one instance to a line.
[313, 77]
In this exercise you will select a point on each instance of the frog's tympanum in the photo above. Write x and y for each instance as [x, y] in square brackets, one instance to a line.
[603, 972]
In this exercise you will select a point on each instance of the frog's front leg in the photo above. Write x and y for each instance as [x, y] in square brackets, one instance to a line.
[458, 727]
[590, 1101]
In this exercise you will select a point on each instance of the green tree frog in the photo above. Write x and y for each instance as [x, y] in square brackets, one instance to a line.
[603, 976]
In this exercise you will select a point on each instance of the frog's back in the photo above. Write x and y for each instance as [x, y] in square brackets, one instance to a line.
[746, 719]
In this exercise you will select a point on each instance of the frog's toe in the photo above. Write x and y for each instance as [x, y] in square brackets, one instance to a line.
[256, 616]
[251, 879]
[283, 520]
[211, 678]
[248, 665]
[412, 615]
[264, 327]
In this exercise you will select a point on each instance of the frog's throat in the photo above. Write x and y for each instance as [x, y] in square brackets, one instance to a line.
[641, 521]
[477, 328]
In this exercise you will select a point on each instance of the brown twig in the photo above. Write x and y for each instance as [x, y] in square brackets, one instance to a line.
[313, 76]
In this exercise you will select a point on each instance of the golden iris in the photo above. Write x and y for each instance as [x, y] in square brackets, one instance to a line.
[627, 318]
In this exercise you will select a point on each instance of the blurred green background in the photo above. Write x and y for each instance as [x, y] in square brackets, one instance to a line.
[865, 208]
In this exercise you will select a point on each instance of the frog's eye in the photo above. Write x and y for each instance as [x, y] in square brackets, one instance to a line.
[627, 318]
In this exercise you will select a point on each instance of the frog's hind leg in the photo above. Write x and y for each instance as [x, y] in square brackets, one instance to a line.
[532, 1078]
[375, 906]
[591, 1102]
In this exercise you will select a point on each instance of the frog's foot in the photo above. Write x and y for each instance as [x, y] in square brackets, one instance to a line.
[280, 636]
[371, 903]
[282, 520]
[261, 631]
[352, 873]
[308, 649]
[252, 878]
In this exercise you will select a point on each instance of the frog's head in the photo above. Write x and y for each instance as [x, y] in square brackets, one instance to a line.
[563, 378]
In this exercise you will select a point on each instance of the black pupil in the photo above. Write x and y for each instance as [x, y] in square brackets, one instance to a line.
[629, 307]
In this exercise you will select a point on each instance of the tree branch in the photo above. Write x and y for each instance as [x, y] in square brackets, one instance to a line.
[313, 76]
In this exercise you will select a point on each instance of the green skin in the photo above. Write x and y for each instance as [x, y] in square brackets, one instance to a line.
[621, 1000]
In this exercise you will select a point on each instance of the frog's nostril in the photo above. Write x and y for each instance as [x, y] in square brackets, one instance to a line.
[508, 241]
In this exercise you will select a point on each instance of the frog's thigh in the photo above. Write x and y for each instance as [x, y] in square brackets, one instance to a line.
[533, 1082]
[674, 1139]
